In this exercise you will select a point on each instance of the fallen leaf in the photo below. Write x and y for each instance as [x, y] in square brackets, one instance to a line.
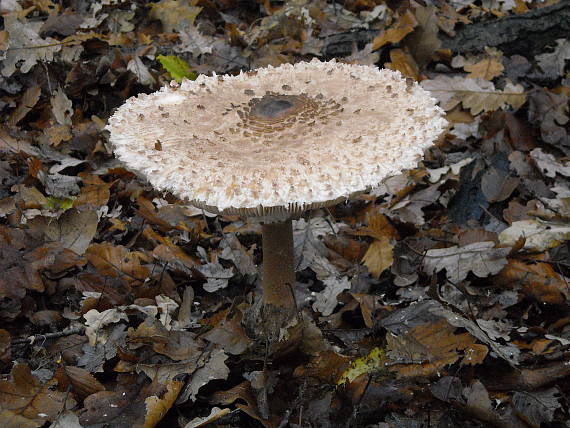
[118, 262]
[95, 192]
[217, 276]
[61, 107]
[539, 235]
[548, 164]
[137, 67]
[375, 360]
[27, 102]
[67, 419]
[157, 407]
[537, 407]
[215, 414]
[497, 184]
[552, 64]
[57, 134]
[477, 95]
[174, 14]
[549, 111]
[177, 67]
[423, 42]
[82, 382]
[448, 18]
[403, 26]
[481, 258]
[233, 250]
[379, 256]
[539, 281]
[26, 403]
[238, 394]
[508, 352]
[404, 63]
[26, 45]
[410, 209]
[95, 321]
[426, 349]
[310, 251]
[326, 300]
[489, 67]
[230, 334]
[214, 368]
[474, 354]
[73, 230]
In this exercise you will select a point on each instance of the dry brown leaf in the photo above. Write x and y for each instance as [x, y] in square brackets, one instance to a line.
[539, 235]
[157, 407]
[118, 262]
[73, 230]
[369, 304]
[539, 281]
[487, 69]
[215, 414]
[403, 26]
[448, 18]
[82, 382]
[95, 192]
[481, 258]
[25, 402]
[328, 367]
[404, 63]
[477, 95]
[57, 134]
[242, 392]
[173, 13]
[423, 42]
[230, 334]
[26, 104]
[168, 252]
[378, 227]
[61, 107]
[474, 354]
[379, 256]
[426, 349]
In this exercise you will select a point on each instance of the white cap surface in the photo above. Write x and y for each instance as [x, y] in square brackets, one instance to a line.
[278, 140]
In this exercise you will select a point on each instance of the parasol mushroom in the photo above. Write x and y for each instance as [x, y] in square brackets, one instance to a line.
[275, 142]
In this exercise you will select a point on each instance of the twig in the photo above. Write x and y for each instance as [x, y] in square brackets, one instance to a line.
[31, 339]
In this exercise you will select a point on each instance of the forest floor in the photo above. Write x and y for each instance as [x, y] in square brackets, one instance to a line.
[440, 299]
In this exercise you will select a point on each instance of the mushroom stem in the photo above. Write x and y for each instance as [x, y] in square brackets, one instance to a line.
[278, 271]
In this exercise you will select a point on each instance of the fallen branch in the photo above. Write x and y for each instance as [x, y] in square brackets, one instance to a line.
[66, 332]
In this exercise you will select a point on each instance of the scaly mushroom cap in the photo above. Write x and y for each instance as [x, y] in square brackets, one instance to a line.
[278, 140]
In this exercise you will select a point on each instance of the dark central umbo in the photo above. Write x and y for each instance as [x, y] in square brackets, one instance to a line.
[272, 106]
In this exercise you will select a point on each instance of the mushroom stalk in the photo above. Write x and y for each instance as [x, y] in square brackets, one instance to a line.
[278, 271]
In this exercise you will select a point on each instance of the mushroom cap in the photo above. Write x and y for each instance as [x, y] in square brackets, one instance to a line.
[278, 140]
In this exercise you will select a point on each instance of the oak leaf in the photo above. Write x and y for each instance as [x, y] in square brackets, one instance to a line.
[481, 258]
[477, 95]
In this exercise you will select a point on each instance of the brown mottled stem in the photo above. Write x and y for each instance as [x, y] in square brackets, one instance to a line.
[279, 307]
[278, 260]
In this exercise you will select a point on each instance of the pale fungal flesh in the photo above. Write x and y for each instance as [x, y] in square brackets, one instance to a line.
[278, 140]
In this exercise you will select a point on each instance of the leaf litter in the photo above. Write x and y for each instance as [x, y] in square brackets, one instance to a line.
[441, 295]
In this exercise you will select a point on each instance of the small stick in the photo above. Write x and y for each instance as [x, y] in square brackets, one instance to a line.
[46, 336]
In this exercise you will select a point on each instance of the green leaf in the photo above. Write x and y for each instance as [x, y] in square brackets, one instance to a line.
[177, 67]
[59, 203]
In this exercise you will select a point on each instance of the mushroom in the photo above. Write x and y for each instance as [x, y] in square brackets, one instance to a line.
[274, 143]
